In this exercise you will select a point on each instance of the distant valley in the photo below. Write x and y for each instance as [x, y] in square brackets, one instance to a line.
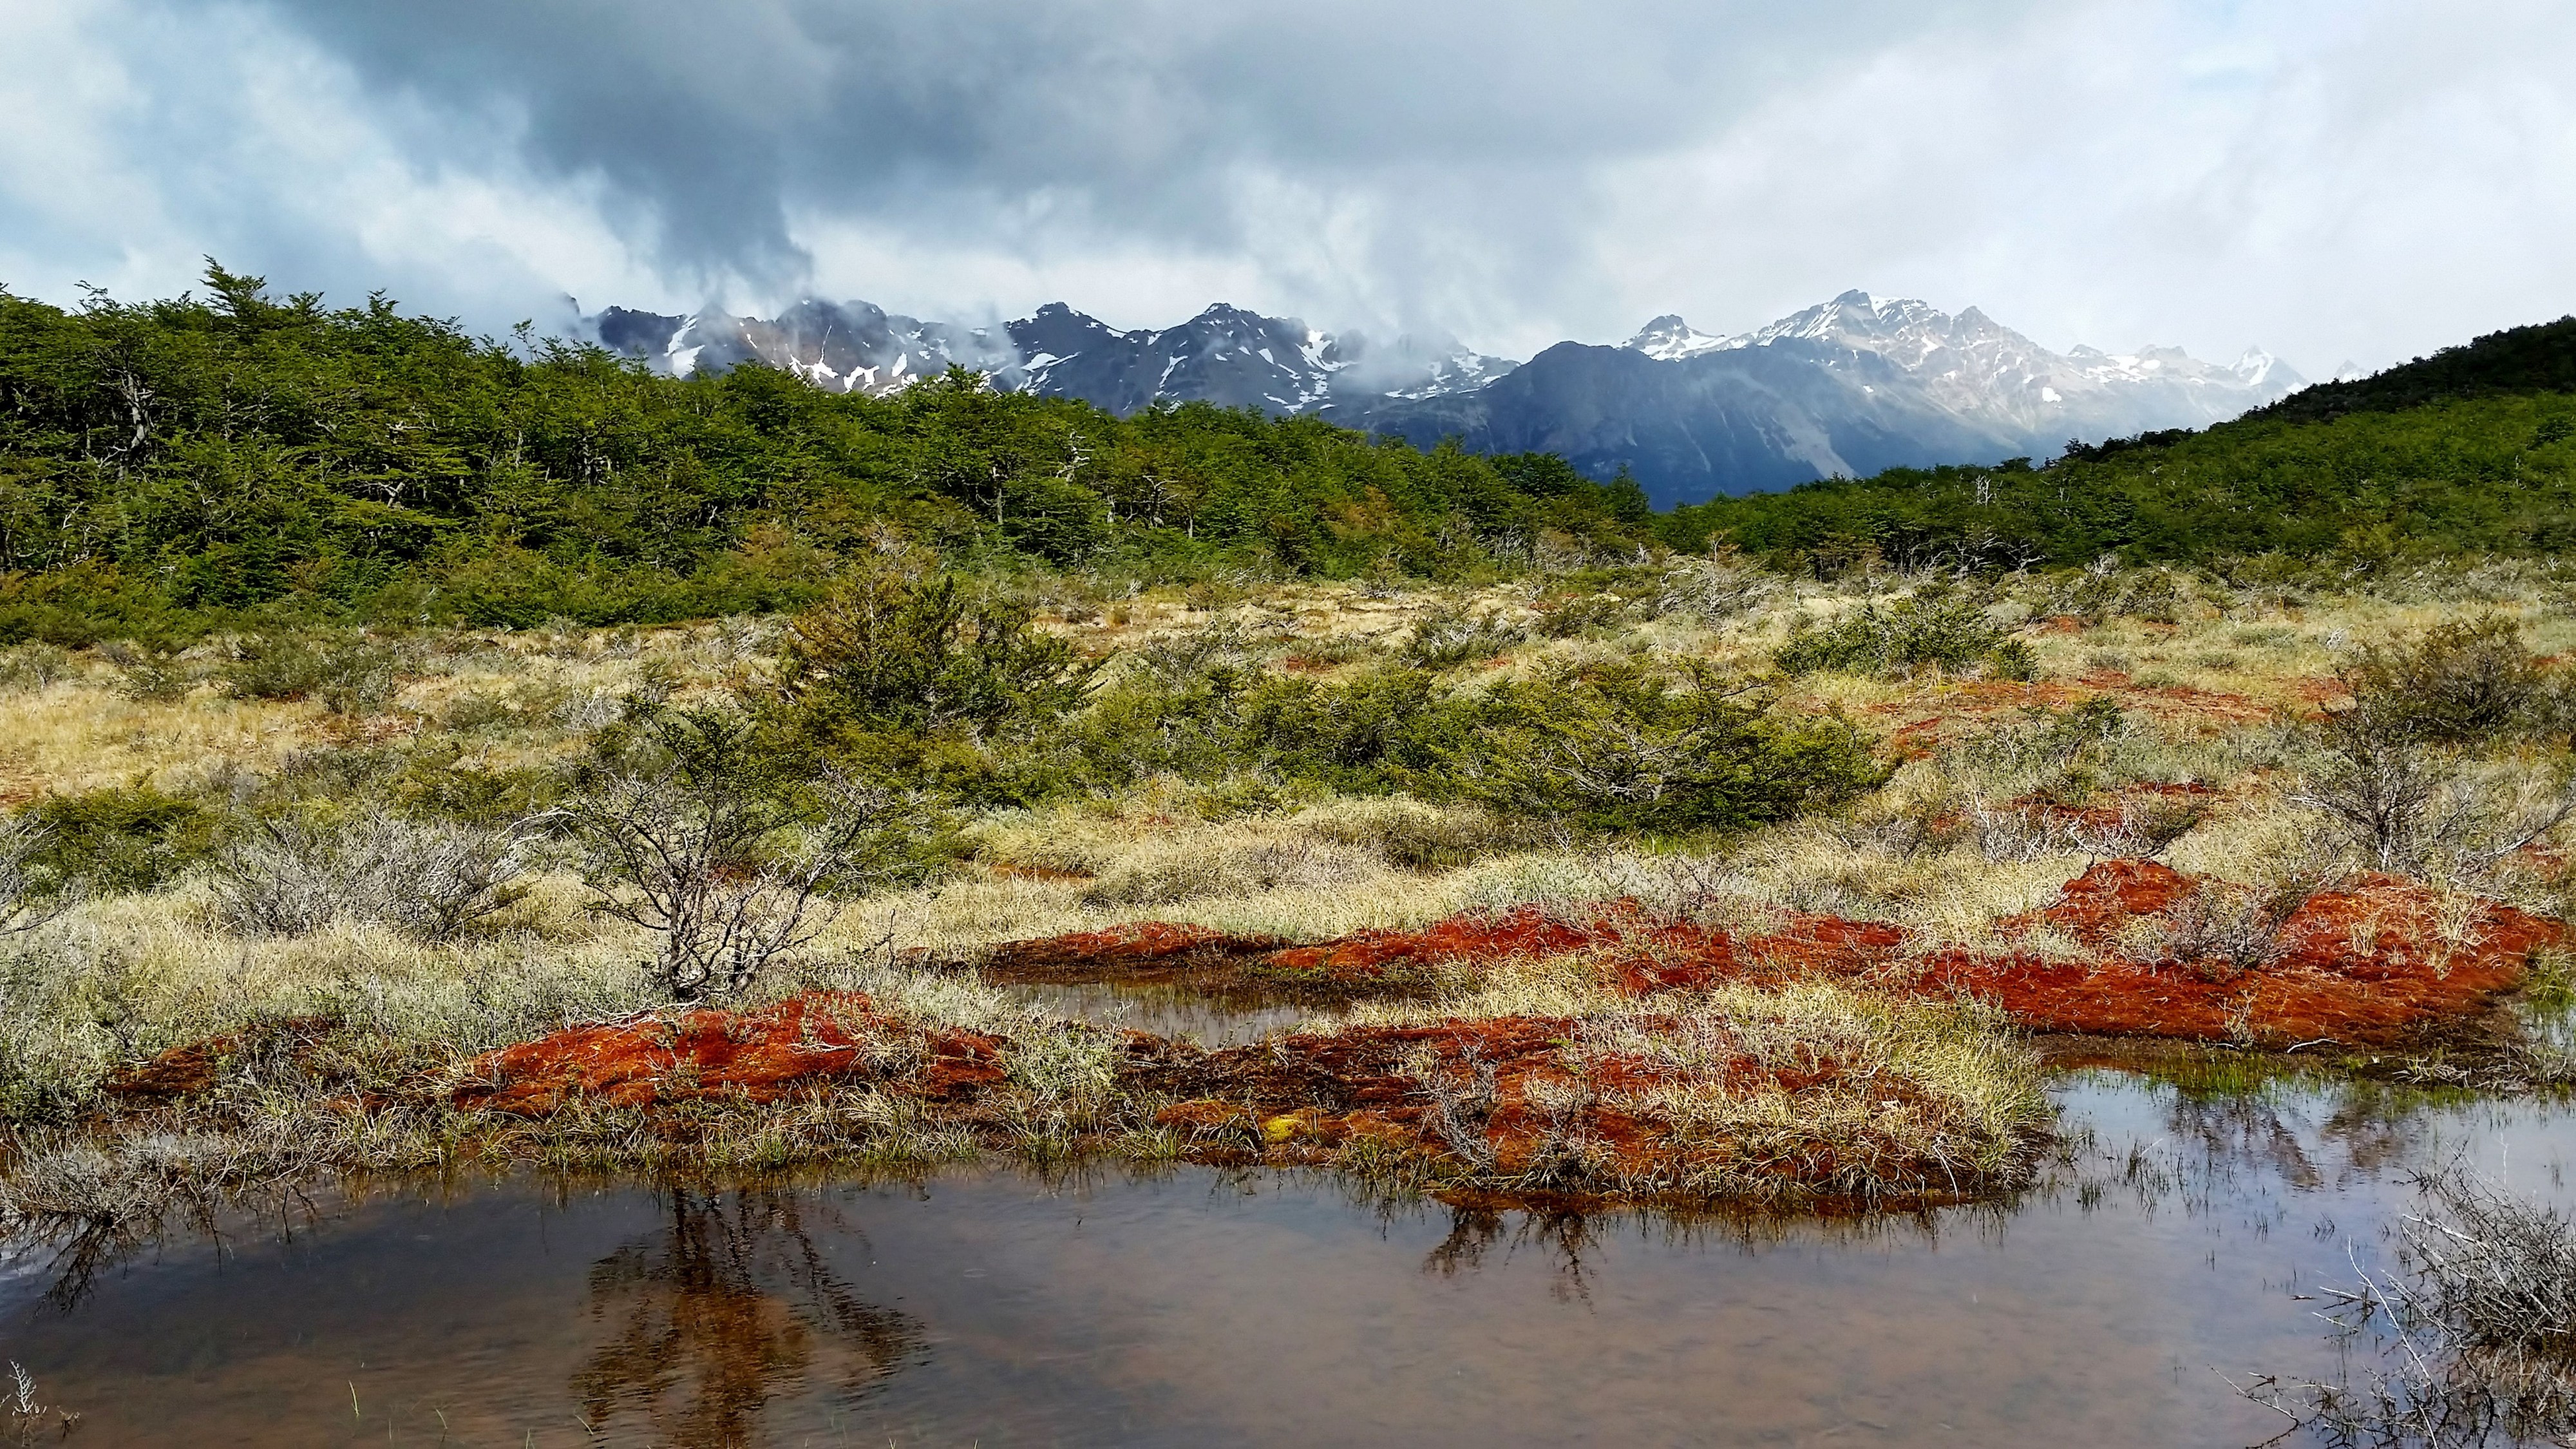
[1845, 388]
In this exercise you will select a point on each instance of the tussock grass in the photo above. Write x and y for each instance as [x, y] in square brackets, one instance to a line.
[1959, 839]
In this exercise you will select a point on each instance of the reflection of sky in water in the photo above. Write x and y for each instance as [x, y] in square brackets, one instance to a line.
[1198, 1307]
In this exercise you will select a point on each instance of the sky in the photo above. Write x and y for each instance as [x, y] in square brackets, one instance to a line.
[2342, 182]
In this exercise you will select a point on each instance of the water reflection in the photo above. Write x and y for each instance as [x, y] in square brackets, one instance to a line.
[724, 1306]
[1180, 1306]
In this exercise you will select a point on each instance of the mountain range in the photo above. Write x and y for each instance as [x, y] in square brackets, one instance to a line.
[1844, 388]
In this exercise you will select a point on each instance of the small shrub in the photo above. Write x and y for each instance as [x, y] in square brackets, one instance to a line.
[1715, 588]
[446, 787]
[2226, 929]
[1331, 651]
[1575, 617]
[348, 676]
[1445, 637]
[1191, 869]
[1931, 630]
[2475, 1330]
[2105, 591]
[30, 894]
[121, 839]
[1627, 749]
[894, 647]
[1179, 658]
[35, 666]
[2458, 683]
[1407, 833]
[688, 832]
[430, 881]
[155, 678]
[2042, 738]
[2417, 805]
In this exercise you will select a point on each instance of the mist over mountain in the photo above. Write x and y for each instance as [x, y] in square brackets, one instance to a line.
[1844, 388]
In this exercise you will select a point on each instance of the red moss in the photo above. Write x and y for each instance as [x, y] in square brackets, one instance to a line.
[1303, 1098]
[2361, 965]
[800, 1045]
[185, 1071]
[2364, 965]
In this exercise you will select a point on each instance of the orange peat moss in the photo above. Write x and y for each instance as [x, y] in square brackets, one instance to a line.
[2367, 964]
[184, 1071]
[1518, 1108]
[798, 1045]
[1535, 1106]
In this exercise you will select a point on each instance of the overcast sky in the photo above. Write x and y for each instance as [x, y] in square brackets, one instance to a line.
[2336, 180]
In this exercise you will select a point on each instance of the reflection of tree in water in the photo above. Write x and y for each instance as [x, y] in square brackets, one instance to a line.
[2376, 1127]
[1562, 1236]
[722, 1308]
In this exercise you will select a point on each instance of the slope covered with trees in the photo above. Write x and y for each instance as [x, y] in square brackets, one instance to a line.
[2472, 450]
[174, 465]
[206, 462]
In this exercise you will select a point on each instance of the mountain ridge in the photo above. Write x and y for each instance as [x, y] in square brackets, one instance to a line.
[1846, 387]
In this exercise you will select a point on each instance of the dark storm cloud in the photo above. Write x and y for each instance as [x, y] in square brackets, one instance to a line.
[720, 123]
[2335, 179]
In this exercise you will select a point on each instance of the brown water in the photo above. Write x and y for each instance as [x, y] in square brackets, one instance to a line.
[990, 1307]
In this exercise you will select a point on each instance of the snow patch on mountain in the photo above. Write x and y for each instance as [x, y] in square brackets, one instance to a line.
[1226, 355]
[1969, 365]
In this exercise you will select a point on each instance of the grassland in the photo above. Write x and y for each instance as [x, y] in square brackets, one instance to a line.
[1815, 1002]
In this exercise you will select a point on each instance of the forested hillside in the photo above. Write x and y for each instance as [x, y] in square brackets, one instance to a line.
[2472, 450]
[175, 465]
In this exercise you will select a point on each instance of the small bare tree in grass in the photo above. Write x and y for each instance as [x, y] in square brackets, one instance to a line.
[431, 880]
[2401, 774]
[28, 898]
[2418, 806]
[692, 835]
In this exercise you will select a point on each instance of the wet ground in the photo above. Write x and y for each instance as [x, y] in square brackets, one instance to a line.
[999, 1308]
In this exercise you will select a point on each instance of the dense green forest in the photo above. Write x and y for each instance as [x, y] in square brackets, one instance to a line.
[232, 459]
[2470, 451]
[178, 465]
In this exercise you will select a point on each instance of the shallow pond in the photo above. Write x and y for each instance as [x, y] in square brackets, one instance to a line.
[992, 1307]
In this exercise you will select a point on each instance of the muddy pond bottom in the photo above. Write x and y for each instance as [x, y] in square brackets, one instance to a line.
[998, 1308]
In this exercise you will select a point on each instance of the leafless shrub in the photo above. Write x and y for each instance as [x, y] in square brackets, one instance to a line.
[1461, 1103]
[1715, 588]
[1409, 834]
[27, 1418]
[1189, 870]
[34, 666]
[28, 897]
[2144, 827]
[693, 839]
[2420, 807]
[2227, 929]
[2475, 1330]
[1444, 637]
[430, 881]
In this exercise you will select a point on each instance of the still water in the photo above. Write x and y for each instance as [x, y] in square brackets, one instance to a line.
[996, 1308]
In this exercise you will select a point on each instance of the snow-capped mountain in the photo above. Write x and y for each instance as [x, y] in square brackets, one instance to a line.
[842, 346]
[1972, 365]
[1849, 386]
[1225, 355]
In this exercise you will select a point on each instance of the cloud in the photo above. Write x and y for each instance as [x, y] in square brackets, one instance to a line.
[2359, 180]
